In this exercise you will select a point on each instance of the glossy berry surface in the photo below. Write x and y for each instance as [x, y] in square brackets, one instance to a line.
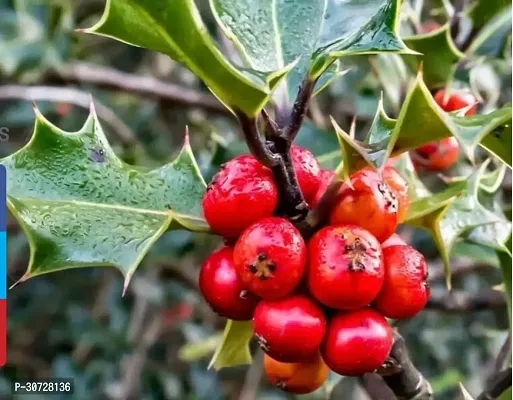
[326, 177]
[398, 184]
[405, 291]
[307, 171]
[345, 267]
[222, 289]
[394, 240]
[357, 342]
[299, 378]
[290, 329]
[456, 100]
[241, 193]
[270, 257]
[437, 156]
[370, 203]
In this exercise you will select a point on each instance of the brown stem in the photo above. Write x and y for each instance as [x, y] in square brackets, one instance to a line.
[401, 376]
[500, 384]
[299, 109]
[460, 301]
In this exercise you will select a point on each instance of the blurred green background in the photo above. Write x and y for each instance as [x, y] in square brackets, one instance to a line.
[156, 341]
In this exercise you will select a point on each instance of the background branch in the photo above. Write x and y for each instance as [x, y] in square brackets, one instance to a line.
[71, 96]
[142, 85]
[499, 385]
[460, 301]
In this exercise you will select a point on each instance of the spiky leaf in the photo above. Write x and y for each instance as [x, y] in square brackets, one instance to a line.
[81, 206]
[234, 347]
[175, 28]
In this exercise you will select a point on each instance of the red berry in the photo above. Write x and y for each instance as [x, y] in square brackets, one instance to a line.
[394, 240]
[307, 171]
[345, 267]
[222, 289]
[357, 342]
[456, 100]
[241, 193]
[398, 184]
[270, 257]
[429, 26]
[289, 329]
[437, 156]
[326, 177]
[299, 378]
[405, 290]
[370, 204]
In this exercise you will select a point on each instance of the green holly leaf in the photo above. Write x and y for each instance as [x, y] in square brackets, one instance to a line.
[421, 121]
[452, 214]
[175, 28]
[439, 56]
[233, 349]
[81, 206]
[484, 10]
[492, 38]
[271, 34]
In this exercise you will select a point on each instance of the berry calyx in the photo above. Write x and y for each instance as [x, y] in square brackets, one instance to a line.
[289, 329]
[357, 342]
[241, 193]
[369, 203]
[345, 267]
[394, 240]
[326, 177]
[270, 257]
[437, 156]
[222, 289]
[456, 100]
[399, 185]
[405, 290]
[307, 171]
[300, 378]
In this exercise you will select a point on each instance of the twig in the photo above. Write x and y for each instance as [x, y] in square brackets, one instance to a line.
[376, 387]
[299, 109]
[401, 376]
[459, 301]
[71, 96]
[501, 382]
[461, 267]
[456, 17]
[141, 85]
[253, 378]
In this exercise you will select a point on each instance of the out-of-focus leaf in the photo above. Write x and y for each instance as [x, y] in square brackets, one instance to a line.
[505, 264]
[197, 350]
[80, 206]
[322, 143]
[484, 10]
[491, 39]
[273, 33]
[421, 121]
[233, 349]
[175, 28]
[440, 55]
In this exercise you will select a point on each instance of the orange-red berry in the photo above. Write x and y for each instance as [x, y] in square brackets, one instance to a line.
[299, 378]
[307, 171]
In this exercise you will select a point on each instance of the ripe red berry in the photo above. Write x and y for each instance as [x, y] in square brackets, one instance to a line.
[270, 257]
[405, 290]
[289, 329]
[222, 289]
[241, 193]
[357, 342]
[456, 100]
[370, 203]
[307, 171]
[299, 378]
[326, 177]
[429, 26]
[437, 156]
[394, 240]
[345, 267]
[398, 184]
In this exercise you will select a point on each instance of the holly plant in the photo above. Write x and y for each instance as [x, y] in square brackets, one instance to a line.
[313, 266]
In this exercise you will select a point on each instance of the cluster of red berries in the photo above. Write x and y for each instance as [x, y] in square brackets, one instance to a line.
[440, 155]
[319, 305]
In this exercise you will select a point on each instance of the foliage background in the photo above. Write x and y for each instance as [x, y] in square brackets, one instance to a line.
[155, 342]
